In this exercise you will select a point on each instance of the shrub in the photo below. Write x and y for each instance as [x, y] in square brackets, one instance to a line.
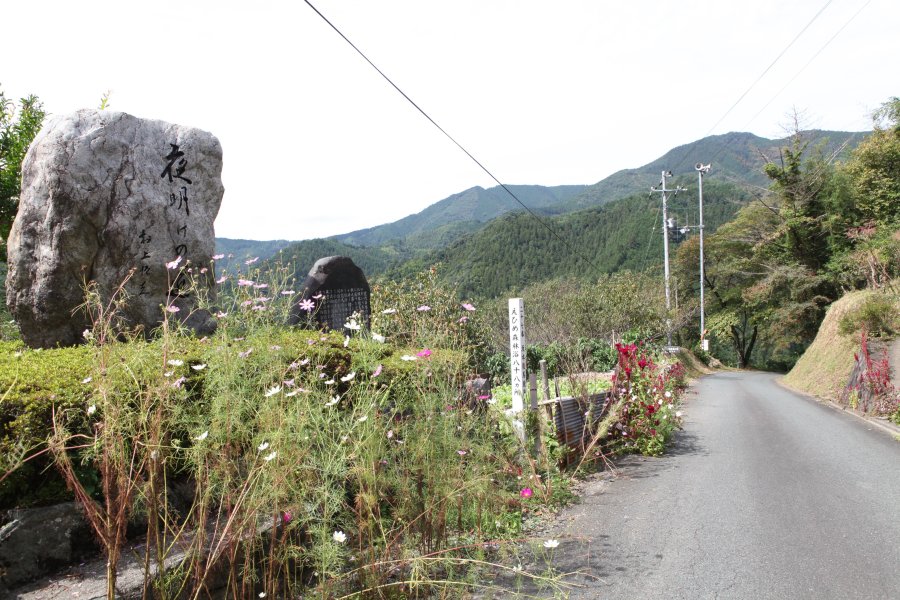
[878, 315]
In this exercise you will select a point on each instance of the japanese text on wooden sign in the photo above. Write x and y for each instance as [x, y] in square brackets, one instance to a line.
[517, 352]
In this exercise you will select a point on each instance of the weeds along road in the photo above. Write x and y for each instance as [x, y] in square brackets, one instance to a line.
[765, 494]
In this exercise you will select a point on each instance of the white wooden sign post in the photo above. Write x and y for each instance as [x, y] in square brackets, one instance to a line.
[517, 361]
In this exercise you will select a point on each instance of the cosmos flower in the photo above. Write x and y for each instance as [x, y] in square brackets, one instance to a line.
[202, 436]
[339, 536]
[377, 337]
[551, 544]
[218, 256]
[272, 391]
[389, 311]
[468, 306]
[174, 264]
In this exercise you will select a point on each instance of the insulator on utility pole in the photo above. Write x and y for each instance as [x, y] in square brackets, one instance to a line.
[665, 222]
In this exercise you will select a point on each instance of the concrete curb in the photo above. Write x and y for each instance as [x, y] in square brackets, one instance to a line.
[882, 423]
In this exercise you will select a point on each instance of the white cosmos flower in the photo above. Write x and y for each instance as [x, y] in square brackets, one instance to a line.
[272, 391]
[346, 341]
[668, 394]
[294, 393]
[339, 536]
[91, 409]
[353, 325]
[678, 414]
[202, 436]
[348, 376]
[333, 401]
[389, 311]
[551, 544]
[174, 362]
[407, 357]
[378, 337]
[86, 380]
[198, 367]
[263, 446]
[269, 457]
[362, 419]
[330, 381]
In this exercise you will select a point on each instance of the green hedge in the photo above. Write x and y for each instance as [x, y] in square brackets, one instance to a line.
[35, 384]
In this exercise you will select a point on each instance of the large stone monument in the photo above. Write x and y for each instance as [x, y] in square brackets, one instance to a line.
[105, 194]
[334, 290]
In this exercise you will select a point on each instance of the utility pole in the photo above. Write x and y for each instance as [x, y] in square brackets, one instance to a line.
[701, 171]
[665, 224]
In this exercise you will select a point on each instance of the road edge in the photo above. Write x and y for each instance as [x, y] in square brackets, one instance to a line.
[883, 424]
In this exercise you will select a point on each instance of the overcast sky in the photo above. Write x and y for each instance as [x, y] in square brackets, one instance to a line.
[316, 143]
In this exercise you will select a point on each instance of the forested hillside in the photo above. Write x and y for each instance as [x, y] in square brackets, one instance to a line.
[444, 221]
[517, 250]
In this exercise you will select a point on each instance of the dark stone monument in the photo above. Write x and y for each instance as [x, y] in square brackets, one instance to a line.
[333, 291]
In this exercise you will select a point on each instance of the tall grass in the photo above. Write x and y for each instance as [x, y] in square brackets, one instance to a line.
[286, 461]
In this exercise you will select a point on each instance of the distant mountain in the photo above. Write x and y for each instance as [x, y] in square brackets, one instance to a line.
[459, 214]
[299, 257]
[237, 251]
[736, 157]
[487, 251]
[514, 250]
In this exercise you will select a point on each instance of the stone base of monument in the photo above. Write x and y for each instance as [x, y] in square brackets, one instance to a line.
[87, 579]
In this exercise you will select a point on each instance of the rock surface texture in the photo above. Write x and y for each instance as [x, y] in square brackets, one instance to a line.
[105, 195]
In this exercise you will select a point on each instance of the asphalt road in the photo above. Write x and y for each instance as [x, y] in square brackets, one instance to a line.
[765, 494]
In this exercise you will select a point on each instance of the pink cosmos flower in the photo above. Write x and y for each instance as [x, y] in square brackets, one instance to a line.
[222, 279]
[172, 309]
[461, 452]
[174, 264]
[251, 261]
[244, 282]
[424, 353]
[377, 371]
[463, 319]
[307, 305]
[468, 307]
[260, 286]
[526, 493]
[424, 308]
[245, 353]
[218, 256]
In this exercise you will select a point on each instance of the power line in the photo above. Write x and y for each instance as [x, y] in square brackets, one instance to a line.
[451, 138]
[752, 85]
[814, 57]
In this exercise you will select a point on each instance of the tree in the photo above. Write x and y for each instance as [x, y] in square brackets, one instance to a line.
[18, 126]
